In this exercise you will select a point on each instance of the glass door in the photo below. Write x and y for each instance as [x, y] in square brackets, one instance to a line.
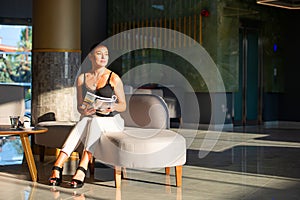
[246, 100]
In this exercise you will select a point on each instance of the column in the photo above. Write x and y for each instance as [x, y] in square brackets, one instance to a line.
[56, 57]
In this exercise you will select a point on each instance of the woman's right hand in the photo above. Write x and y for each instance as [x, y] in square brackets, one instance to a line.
[85, 110]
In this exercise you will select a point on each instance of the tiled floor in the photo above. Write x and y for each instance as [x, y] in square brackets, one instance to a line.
[243, 163]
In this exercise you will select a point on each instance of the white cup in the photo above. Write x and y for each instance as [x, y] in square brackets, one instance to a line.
[26, 124]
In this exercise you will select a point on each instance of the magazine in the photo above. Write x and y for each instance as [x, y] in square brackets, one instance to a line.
[99, 103]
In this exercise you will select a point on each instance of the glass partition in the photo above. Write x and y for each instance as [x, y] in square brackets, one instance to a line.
[15, 69]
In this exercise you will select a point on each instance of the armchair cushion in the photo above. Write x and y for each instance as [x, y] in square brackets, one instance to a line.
[146, 111]
[142, 148]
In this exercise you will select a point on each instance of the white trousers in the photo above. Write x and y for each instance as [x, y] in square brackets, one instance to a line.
[89, 130]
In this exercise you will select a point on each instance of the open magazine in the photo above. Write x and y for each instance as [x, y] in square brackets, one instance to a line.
[99, 103]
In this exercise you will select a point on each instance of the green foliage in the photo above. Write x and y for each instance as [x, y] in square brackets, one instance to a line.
[16, 67]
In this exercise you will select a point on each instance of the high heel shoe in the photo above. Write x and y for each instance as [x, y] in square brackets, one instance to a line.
[75, 183]
[57, 180]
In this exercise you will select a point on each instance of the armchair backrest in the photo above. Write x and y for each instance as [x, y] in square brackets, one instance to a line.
[146, 111]
[12, 102]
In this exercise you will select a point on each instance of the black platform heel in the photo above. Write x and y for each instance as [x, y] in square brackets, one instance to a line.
[56, 181]
[75, 183]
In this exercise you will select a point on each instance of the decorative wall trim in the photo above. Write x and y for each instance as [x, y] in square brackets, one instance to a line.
[56, 50]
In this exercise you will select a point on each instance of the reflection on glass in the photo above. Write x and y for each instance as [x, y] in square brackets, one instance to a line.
[11, 151]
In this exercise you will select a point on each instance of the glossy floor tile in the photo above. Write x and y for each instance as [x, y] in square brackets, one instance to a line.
[243, 163]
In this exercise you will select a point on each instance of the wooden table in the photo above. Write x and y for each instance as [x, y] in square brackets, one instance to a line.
[24, 133]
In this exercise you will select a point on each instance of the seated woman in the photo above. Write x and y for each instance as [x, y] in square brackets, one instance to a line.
[102, 82]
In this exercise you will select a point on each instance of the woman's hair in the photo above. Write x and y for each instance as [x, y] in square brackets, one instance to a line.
[96, 45]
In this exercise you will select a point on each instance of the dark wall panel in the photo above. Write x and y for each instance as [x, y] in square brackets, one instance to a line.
[289, 109]
[93, 24]
[15, 9]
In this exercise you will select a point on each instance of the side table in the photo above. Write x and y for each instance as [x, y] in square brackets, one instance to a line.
[24, 133]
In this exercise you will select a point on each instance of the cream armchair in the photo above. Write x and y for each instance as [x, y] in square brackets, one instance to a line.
[146, 142]
[55, 137]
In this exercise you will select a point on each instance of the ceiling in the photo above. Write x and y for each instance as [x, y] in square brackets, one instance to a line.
[287, 4]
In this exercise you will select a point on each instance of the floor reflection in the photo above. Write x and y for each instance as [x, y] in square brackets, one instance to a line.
[55, 192]
[78, 196]
[34, 191]
[118, 194]
[169, 188]
[241, 166]
[30, 191]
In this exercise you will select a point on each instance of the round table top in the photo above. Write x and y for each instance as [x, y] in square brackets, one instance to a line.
[6, 130]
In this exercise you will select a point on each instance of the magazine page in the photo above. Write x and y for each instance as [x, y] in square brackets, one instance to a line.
[88, 101]
[99, 103]
[103, 103]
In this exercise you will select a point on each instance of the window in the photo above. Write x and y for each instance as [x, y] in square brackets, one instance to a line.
[15, 68]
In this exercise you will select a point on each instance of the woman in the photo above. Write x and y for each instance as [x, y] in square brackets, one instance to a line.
[102, 82]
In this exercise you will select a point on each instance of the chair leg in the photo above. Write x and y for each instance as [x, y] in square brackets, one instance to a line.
[42, 153]
[118, 174]
[92, 166]
[167, 170]
[57, 152]
[124, 173]
[178, 174]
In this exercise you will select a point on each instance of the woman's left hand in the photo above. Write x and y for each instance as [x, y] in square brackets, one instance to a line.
[108, 110]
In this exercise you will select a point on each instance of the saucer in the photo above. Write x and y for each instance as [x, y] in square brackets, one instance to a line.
[26, 129]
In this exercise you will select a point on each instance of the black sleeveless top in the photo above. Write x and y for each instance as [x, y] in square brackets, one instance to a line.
[106, 91]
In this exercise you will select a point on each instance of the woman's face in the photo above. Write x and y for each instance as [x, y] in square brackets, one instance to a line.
[99, 56]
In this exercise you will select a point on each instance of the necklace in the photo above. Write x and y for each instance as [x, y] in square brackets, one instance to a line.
[96, 78]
